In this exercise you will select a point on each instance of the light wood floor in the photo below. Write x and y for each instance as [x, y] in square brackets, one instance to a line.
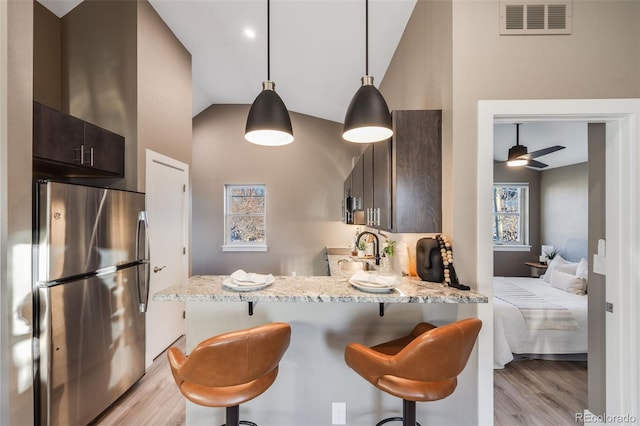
[538, 392]
[527, 393]
[154, 400]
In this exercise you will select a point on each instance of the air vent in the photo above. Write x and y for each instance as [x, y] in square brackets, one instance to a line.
[524, 17]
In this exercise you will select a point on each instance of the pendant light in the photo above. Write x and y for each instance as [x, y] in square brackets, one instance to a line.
[368, 118]
[268, 122]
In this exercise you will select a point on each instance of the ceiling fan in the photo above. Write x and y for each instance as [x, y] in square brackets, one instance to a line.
[519, 156]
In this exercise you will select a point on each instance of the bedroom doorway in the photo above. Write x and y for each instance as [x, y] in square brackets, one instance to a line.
[620, 116]
[537, 206]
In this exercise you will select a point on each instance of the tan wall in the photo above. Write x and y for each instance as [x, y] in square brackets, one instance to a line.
[99, 72]
[600, 59]
[164, 91]
[46, 57]
[564, 204]
[304, 191]
[16, 69]
[419, 77]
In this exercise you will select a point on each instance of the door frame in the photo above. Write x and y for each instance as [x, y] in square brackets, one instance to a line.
[622, 118]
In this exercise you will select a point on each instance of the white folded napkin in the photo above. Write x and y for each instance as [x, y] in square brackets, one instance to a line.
[373, 278]
[241, 277]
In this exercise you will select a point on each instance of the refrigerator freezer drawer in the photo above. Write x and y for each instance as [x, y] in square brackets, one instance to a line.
[92, 344]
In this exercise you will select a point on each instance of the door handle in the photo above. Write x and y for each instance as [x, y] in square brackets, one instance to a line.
[156, 269]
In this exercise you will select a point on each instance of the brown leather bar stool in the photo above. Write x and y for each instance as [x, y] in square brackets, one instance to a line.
[422, 366]
[231, 368]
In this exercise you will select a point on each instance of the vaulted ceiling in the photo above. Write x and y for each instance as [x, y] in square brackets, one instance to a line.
[317, 59]
[317, 48]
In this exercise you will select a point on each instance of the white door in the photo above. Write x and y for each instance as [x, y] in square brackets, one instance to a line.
[167, 206]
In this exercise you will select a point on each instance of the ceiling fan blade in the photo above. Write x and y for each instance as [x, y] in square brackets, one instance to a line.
[541, 152]
[536, 164]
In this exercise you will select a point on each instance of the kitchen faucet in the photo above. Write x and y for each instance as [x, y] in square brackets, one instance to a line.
[376, 244]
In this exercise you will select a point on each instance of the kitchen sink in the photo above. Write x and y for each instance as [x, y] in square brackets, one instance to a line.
[349, 265]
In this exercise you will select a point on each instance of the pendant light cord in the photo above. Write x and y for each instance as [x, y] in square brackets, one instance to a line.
[366, 36]
[268, 41]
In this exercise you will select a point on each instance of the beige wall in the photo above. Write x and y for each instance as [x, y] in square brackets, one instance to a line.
[46, 57]
[511, 263]
[99, 73]
[16, 21]
[601, 59]
[564, 204]
[124, 70]
[164, 117]
[304, 191]
[419, 77]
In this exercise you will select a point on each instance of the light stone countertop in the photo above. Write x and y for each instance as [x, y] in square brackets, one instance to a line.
[209, 288]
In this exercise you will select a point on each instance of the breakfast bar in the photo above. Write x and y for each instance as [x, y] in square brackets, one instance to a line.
[325, 313]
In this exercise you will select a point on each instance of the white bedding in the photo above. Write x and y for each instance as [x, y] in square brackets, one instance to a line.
[511, 335]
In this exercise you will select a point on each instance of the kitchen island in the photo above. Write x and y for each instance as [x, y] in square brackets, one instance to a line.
[325, 313]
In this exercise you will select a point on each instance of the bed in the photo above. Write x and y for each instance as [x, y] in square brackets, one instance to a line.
[535, 319]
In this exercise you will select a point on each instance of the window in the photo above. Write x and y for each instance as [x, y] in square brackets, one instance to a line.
[245, 218]
[511, 217]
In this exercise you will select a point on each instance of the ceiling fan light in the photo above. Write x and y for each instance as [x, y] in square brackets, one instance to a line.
[514, 160]
[268, 122]
[367, 119]
[518, 162]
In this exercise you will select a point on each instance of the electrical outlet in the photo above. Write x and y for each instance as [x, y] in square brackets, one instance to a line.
[338, 413]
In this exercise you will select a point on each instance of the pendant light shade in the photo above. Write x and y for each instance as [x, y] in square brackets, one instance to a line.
[367, 119]
[268, 122]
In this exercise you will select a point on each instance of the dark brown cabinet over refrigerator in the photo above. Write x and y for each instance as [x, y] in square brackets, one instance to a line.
[64, 145]
[90, 294]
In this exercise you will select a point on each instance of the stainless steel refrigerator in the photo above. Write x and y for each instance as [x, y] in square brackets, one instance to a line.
[92, 273]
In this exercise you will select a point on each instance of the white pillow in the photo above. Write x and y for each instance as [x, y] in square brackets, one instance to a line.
[567, 282]
[583, 269]
[560, 263]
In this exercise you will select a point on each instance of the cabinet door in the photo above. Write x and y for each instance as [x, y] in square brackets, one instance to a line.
[357, 183]
[347, 201]
[382, 184]
[417, 171]
[367, 194]
[57, 136]
[104, 150]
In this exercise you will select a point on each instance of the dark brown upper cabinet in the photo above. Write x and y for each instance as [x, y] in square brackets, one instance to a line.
[416, 171]
[65, 146]
[401, 189]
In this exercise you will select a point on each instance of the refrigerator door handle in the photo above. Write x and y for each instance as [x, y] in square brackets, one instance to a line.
[144, 259]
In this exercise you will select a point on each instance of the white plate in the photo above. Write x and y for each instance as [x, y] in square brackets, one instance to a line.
[245, 286]
[372, 287]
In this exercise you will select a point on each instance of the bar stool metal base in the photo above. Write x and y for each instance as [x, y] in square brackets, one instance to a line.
[393, 419]
[233, 417]
[408, 415]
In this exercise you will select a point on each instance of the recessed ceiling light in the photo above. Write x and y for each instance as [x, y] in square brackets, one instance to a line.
[249, 33]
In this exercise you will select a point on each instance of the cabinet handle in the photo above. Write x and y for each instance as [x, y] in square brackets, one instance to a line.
[82, 155]
[91, 157]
